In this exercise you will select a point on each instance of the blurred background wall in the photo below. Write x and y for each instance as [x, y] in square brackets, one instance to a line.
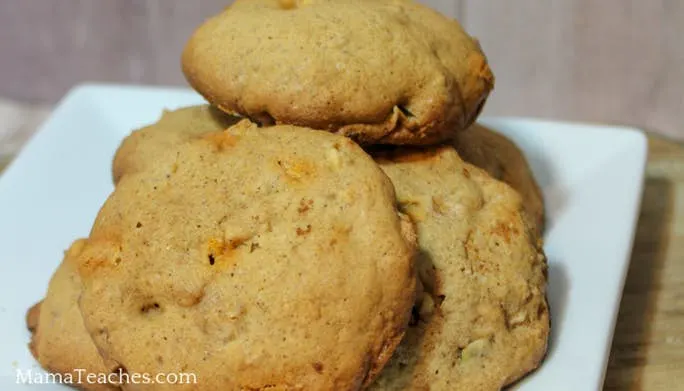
[618, 61]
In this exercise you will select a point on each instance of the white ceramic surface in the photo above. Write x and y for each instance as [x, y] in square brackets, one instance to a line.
[591, 178]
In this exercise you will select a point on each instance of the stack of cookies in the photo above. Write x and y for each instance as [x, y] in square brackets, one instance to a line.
[332, 219]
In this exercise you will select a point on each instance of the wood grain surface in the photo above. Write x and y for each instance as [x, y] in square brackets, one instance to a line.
[648, 346]
[618, 61]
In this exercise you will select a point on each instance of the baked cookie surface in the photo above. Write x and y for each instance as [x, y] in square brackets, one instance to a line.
[503, 160]
[483, 321]
[59, 340]
[378, 71]
[138, 150]
[257, 259]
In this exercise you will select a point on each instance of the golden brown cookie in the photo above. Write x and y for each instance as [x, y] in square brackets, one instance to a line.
[378, 71]
[483, 321]
[503, 160]
[257, 259]
[174, 127]
[59, 339]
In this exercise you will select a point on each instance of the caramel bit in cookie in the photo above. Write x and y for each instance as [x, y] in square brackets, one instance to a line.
[217, 248]
[505, 230]
[221, 140]
[396, 155]
[92, 265]
[304, 205]
[303, 231]
[237, 242]
[296, 169]
[190, 299]
[292, 4]
[287, 4]
[318, 366]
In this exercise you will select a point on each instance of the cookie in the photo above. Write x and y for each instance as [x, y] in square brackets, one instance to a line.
[59, 341]
[176, 126]
[503, 160]
[483, 321]
[256, 259]
[378, 71]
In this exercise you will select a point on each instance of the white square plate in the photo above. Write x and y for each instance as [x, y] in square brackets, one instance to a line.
[591, 178]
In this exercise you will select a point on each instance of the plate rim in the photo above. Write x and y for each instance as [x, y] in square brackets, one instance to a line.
[636, 137]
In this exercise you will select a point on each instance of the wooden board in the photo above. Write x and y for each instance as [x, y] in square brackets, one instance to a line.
[648, 346]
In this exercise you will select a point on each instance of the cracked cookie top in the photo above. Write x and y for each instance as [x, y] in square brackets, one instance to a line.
[270, 258]
[379, 71]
